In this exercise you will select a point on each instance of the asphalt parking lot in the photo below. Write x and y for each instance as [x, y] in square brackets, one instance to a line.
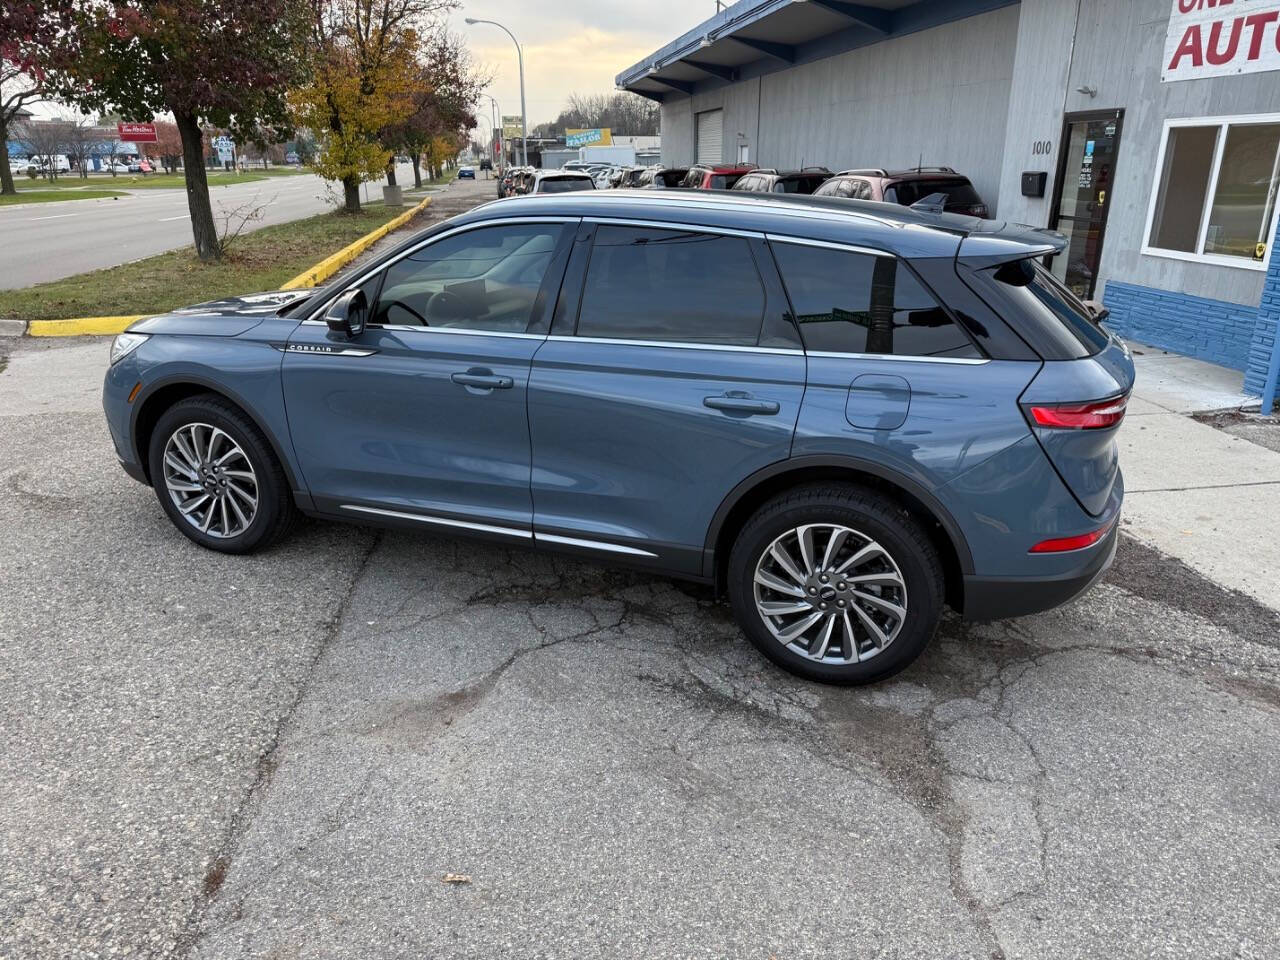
[284, 755]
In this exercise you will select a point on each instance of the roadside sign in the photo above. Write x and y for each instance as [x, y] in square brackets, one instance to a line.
[512, 126]
[137, 132]
[226, 149]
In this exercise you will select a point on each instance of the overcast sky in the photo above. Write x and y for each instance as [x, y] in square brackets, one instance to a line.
[569, 47]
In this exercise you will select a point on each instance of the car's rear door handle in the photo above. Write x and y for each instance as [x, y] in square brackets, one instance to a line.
[485, 381]
[735, 402]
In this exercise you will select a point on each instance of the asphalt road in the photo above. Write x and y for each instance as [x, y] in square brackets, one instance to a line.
[47, 241]
[284, 755]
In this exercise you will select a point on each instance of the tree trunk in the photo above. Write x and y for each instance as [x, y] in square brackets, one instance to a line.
[417, 173]
[391, 173]
[6, 172]
[351, 194]
[202, 225]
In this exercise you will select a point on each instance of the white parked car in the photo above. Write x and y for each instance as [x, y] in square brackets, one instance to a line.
[114, 166]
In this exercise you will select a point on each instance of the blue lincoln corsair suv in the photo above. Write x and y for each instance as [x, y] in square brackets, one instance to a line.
[841, 414]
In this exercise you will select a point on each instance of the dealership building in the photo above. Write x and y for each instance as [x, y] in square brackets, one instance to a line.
[1147, 131]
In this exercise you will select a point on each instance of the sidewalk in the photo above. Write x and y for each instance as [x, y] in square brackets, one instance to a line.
[1194, 492]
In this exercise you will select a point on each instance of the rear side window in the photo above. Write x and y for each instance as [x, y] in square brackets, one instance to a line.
[1041, 298]
[565, 184]
[848, 302]
[677, 286]
[724, 181]
[798, 184]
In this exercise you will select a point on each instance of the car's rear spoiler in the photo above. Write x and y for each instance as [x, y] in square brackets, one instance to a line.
[995, 243]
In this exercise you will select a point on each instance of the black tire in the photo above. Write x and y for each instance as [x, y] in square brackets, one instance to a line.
[867, 512]
[276, 512]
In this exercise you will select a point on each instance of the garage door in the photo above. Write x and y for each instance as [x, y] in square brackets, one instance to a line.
[710, 136]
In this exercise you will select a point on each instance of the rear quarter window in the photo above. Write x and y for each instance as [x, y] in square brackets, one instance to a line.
[1044, 311]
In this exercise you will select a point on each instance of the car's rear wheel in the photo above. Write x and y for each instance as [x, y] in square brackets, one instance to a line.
[836, 583]
[217, 477]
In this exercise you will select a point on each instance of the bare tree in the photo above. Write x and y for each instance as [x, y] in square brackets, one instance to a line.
[48, 140]
[81, 136]
[625, 113]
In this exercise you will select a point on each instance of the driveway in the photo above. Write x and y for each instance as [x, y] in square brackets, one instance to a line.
[287, 755]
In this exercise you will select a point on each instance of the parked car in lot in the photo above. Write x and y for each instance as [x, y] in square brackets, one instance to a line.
[623, 177]
[114, 166]
[839, 423]
[663, 178]
[771, 181]
[907, 187]
[715, 176]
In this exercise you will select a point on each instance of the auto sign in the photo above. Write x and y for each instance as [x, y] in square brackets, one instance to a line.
[1217, 38]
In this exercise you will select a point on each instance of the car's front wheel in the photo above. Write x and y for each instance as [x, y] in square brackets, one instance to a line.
[217, 477]
[836, 583]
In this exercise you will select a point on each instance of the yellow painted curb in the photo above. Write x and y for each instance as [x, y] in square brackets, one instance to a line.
[322, 271]
[81, 326]
[327, 267]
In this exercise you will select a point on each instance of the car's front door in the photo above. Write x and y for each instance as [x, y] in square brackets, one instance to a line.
[423, 416]
[671, 375]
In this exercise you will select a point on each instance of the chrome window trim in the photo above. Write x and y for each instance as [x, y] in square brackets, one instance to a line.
[893, 357]
[443, 235]
[442, 521]
[831, 245]
[731, 348]
[410, 328]
[593, 545]
[675, 226]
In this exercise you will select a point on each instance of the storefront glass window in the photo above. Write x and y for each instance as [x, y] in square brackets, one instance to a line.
[1244, 199]
[1215, 199]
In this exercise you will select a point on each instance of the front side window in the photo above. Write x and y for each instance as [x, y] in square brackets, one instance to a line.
[848, 302]
[1215, 196]
[671, 285]
[484, 279]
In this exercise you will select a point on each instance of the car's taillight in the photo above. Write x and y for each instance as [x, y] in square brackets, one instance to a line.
[1067, 544]
[1099, 415]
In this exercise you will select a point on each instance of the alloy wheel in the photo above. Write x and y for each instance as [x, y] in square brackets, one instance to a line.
[210, 479]
[830, 593]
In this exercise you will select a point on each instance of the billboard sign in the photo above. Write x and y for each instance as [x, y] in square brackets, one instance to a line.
[597, 137]
[513, 126]
[1221, 38]
[137, 132]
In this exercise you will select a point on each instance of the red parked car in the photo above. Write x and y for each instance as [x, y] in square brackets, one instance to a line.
[716, 176]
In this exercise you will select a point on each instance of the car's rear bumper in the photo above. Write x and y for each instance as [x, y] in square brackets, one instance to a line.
[999, 598]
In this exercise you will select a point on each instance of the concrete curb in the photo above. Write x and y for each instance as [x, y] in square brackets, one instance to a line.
[327, 267]
[106, 326]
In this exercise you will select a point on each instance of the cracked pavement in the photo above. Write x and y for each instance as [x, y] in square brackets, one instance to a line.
[282, 756]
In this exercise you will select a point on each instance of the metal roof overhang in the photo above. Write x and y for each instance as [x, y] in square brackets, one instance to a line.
[754, 37]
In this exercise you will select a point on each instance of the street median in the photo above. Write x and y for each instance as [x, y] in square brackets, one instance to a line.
[315, 276]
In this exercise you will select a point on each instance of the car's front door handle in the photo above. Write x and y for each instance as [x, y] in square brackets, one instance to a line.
[484, 381]
[741, 403]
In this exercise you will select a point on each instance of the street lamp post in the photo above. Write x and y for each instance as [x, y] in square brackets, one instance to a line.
[524, 114]
[497, 127]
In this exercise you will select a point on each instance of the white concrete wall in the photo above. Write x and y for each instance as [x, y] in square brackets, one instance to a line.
[941, 94]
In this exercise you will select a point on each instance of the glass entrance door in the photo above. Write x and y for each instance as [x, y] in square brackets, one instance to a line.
[1083, 195]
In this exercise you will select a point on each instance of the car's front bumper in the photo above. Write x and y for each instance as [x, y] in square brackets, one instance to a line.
[999, 598]
[117, 386]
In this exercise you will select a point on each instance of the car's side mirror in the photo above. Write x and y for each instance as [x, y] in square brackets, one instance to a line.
[348, 314]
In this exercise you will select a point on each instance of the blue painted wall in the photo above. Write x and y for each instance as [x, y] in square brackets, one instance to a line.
[1233, 335]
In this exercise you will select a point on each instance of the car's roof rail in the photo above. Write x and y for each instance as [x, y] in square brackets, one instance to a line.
[930, 170]
[864, 172]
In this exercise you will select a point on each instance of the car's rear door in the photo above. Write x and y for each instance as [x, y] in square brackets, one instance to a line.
[423, 416]
[671, 375]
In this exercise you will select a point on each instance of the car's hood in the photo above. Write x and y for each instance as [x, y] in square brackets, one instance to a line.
[228, 317]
